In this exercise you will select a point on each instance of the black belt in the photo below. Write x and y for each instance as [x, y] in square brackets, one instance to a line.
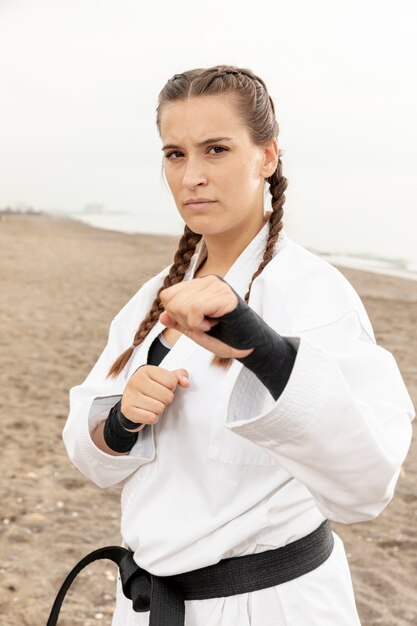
[164, 596]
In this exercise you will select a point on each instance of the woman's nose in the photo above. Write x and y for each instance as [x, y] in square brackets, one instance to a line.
[194, 175]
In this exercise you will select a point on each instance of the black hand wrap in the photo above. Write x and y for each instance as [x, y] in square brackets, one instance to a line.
[273, 356]
[115, 434]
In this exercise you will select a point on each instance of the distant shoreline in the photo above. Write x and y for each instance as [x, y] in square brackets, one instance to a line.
[378, 266]
[366, 265]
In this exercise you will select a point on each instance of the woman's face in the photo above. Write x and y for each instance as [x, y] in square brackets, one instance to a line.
[208, 154]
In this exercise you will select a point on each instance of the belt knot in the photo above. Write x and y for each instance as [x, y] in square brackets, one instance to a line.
[149, 592]
[136, 583]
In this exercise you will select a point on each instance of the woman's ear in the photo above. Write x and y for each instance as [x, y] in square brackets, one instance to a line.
[270, 154]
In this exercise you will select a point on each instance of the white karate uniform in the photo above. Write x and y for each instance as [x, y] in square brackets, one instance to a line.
[227, 471]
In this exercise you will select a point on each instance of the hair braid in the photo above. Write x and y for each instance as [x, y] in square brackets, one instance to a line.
[177, 271]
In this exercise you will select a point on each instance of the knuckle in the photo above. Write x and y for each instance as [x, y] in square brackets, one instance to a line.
[172, 383]
[139, 373]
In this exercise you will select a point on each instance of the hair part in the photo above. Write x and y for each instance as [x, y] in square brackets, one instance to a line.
[256, 108]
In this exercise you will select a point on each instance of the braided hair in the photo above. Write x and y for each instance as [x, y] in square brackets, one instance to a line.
[256, 108]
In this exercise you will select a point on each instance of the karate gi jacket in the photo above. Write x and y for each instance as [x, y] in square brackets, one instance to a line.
[228, 471]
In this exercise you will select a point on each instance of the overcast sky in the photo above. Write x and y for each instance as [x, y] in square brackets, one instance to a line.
[79, 81]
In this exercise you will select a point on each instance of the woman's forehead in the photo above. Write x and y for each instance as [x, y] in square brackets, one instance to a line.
[200, 118]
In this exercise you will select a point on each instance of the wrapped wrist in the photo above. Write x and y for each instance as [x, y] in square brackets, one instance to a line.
[116, 436]
[273, 356]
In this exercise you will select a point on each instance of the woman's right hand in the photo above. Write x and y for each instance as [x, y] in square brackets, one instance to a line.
[149, 390]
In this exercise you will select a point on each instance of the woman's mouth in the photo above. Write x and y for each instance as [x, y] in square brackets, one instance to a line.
[200, 205]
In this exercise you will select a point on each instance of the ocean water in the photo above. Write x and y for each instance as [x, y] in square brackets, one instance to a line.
[173, 225]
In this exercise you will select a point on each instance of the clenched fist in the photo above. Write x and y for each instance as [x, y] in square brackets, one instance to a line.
[193, 307]
[149, 390]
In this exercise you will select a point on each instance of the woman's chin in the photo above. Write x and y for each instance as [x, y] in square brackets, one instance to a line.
[202, 224]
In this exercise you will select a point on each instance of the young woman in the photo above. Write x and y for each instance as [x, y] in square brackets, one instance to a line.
[241, 400]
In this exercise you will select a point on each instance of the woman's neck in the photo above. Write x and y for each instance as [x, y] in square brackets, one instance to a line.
[217, 257]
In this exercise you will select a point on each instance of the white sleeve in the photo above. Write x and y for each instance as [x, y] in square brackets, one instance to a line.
[342, 424]
[91, 401]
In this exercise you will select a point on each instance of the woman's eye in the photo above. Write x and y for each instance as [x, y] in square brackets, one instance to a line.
[220, 148]
[170, 155]
[176, 154]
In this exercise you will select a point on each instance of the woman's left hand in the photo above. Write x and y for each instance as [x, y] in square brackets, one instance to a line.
[190, 307]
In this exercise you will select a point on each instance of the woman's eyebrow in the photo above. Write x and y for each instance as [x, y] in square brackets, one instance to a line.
[201, 144]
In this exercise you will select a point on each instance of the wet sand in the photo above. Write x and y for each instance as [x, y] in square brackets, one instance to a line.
[61, 284]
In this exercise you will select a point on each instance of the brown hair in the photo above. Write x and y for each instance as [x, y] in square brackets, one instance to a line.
[254, 104]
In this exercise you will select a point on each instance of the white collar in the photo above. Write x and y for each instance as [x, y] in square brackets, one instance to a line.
[241, 271]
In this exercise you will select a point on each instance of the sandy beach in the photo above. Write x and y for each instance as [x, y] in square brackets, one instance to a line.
[62, 282]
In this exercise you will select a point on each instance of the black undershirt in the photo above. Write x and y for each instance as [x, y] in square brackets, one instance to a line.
[157, 352]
